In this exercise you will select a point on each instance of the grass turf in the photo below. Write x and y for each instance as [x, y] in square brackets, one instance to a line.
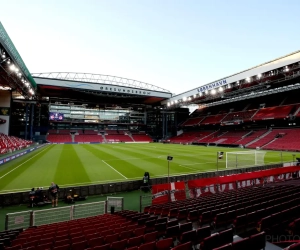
[84, 164]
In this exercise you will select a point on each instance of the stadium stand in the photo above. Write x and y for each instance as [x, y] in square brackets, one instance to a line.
[230, 137]
[88, 138]
[279, 112]
[141, 137]
[203, 221]
[285, 139]
[251, 136]
[213, 119]
[239, 116]
[278, 139]
[59, 138]
[193, 121]
[12, 143]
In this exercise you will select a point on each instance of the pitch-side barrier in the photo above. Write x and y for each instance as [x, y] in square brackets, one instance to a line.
[31, 218]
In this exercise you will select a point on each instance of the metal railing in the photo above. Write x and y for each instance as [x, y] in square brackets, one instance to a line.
[30, 218]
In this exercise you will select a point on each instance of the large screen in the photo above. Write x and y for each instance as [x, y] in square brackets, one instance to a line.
[53, 116]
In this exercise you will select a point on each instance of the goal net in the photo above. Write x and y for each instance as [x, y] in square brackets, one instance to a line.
[242, 159]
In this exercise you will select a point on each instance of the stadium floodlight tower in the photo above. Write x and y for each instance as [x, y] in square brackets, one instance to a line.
[241, 159]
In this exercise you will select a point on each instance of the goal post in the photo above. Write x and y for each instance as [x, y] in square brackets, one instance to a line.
[240, 159]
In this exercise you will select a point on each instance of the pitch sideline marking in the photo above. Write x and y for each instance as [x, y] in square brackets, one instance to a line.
[197, 163]
[22, 163]
[188, 167]
[114, 169]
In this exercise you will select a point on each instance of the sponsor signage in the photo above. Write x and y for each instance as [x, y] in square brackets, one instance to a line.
[7, 159]
[124, 90]
[212, 85]
[14, 54]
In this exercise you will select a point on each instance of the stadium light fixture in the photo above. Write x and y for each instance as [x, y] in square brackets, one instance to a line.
[12, 67]
[189, 98]
[213, 92]
[259, 76]
[221, 89]
[176, 101]
[206, 92]
[195, 95]
[200, 94]
[3, 55]
[168, 104]
[184, 98]
[248, 79]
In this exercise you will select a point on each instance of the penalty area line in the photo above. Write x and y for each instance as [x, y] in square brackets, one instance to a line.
[114, 169]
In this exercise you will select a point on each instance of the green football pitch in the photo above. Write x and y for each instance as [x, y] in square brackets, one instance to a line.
[85, 164]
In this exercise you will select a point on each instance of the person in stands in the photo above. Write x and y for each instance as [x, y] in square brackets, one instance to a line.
[39, 194]
[31, 197]
[53, 189]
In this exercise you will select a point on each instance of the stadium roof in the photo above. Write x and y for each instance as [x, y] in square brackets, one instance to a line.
[13, 71]
[253, 80]
[98, 78]
[87, 87]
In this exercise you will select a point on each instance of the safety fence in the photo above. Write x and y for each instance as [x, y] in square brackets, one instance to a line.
[30, 218]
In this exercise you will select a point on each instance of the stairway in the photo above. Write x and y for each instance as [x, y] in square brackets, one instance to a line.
[258, 138]
[104, 139]
[269, 142]
[249, 133]
[130, 135]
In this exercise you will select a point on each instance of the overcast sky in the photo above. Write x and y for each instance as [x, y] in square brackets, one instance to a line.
[177, 45]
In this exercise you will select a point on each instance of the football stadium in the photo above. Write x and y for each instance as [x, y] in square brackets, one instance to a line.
[134, 168]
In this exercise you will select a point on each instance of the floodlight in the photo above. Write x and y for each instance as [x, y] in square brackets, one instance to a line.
[195, 95]
[213, 92]
[168, 104]
[206, 91]
[248, 79]
[172, 102]
[8, 61]
[3, 55]
[200, 94]
[221, 89]
[12, 67]
[184, 98]
[16, 69]
[259, 75]
[189, 98]
[176, 101]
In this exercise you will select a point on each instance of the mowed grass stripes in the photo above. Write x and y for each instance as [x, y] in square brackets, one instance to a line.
[84, 164]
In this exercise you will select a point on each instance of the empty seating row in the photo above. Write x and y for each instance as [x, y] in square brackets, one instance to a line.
[277, 112]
